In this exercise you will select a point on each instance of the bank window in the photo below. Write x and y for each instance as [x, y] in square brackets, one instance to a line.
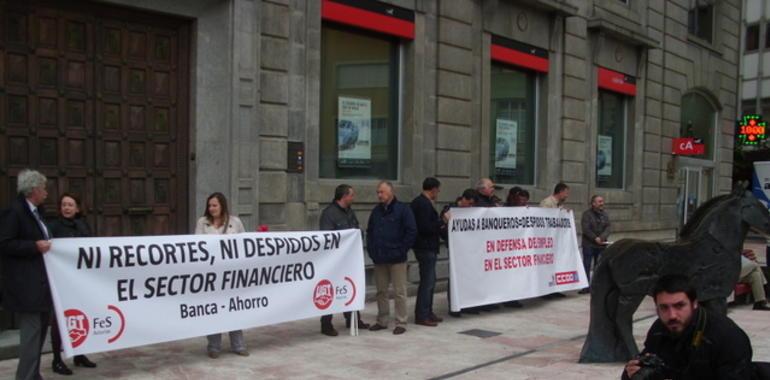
[611, 140]
[512, 130]
[752, 37]
[700, 19]
[698, 122]
[359, 129]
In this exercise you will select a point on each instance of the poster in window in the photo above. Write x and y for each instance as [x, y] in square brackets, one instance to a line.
[604, 156]
[505, 145]
[354, 131]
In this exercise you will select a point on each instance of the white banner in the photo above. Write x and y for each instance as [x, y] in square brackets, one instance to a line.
[118, 292]
[500, 254]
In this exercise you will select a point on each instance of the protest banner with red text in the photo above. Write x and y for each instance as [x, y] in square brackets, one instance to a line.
[509, 253]
[118, 292]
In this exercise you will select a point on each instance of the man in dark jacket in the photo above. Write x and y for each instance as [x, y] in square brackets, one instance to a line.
[692, 343]
[390, 234]
[339, 215]
[595, 226]
[23, 241]
[426, 248]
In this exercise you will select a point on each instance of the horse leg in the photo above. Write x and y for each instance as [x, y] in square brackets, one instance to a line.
[624, 321]
[602, 340]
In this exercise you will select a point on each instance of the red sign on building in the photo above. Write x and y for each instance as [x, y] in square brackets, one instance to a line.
[687, 146]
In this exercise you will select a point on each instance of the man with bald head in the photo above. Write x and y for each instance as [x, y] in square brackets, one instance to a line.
[390, 233]
[486, 189]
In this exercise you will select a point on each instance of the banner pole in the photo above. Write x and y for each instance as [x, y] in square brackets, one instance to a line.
[354, 323]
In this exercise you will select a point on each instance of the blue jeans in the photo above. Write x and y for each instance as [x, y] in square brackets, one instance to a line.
[590, 256]
[423, 309]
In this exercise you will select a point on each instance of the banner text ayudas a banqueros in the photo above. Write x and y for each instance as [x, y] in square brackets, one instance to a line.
[119, 292]
[500, 254]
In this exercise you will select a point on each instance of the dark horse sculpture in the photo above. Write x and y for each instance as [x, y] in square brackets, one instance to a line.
[708, 251]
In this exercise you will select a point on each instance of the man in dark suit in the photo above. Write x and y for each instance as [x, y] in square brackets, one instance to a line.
[23, 241]
[339, 215]
[426, 248]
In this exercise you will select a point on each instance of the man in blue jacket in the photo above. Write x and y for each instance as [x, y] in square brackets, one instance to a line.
[390, 234]
[426, 248]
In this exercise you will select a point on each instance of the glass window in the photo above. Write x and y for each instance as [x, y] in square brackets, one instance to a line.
[698, 117]
[611, 140]
[764, 104]
[752, 37]
[700, 19]
[767, 36]
[512, 130]
[748, 107]
[359, 105]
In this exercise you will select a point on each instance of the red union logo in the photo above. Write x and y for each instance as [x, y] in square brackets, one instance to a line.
[566, 278]
[77, 326]
[323, 294]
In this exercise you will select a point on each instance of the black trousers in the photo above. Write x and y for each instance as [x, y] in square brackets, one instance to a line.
[32, 330]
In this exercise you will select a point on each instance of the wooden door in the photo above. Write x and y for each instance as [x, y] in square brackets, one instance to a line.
[95, 97]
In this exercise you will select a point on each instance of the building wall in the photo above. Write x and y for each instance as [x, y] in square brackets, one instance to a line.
[256, 85]
[755, 63]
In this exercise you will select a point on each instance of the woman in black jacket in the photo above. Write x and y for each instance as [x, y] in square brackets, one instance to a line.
[70, 223]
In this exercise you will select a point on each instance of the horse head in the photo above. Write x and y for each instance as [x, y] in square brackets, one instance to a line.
[738, 212]
[728, 216]
[753, 212]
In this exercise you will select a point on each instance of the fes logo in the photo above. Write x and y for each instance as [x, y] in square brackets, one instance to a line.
[79, 326]
[323, 294]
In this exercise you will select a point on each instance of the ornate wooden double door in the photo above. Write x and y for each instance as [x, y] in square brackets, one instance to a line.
[96, 98]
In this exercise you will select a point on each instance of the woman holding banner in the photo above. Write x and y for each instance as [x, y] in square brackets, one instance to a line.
[217, 220]
[70, 223]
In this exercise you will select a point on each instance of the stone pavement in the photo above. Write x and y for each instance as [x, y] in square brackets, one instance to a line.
[540, 341]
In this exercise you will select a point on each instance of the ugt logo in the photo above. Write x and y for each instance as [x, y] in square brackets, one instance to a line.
[77, 326]
[323, 294]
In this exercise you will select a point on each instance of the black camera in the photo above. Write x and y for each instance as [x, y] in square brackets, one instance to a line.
[652, 368]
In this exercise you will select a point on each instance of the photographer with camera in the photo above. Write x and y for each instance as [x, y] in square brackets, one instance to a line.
[686, 342]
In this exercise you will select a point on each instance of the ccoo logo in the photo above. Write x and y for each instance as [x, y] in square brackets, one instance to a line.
[323, 294]
[77, 326]
[566, 278]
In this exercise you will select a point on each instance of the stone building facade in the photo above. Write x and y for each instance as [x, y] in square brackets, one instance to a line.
[584, 78]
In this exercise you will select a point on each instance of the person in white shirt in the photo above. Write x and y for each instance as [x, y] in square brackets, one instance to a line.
[217, 220]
